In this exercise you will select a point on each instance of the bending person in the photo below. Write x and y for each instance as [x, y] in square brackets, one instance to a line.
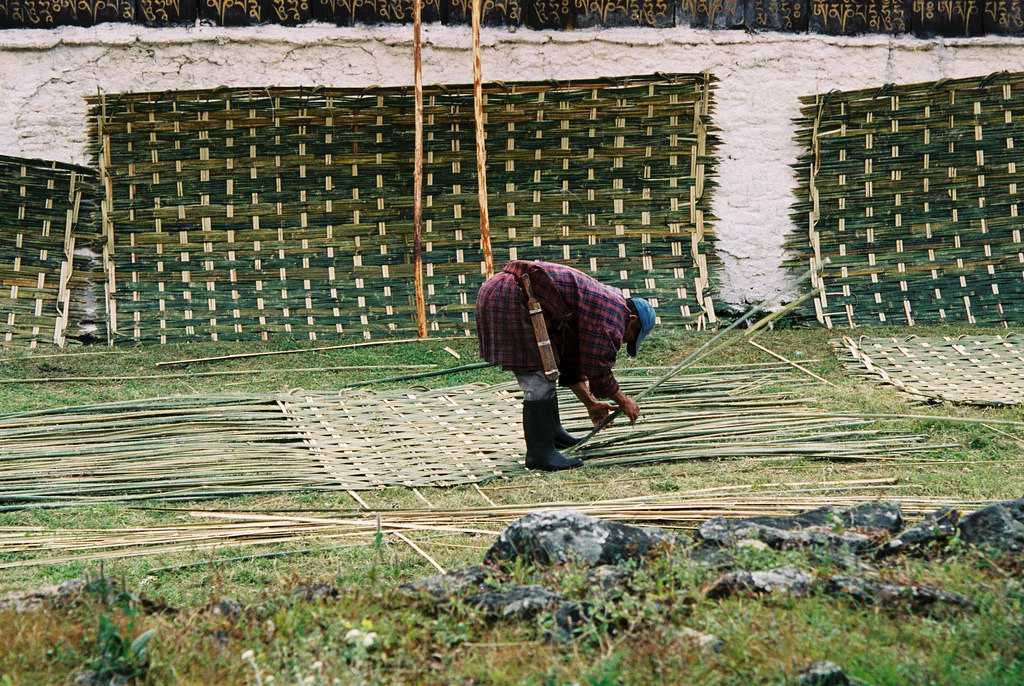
[548, 323]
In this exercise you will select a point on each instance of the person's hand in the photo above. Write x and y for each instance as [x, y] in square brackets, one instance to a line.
[599, 412]
[628, 407]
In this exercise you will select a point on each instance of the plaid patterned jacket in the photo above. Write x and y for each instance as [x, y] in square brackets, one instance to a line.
[586, 321]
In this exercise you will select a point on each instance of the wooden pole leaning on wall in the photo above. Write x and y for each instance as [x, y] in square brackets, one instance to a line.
[417, 193]
[481, 148]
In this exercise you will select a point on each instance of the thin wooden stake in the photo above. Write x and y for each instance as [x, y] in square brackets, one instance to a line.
[362, 503]
[481, 147]
[417, 193]
[484, 496]
[1009, 435]
[422, 497]
[777, 356]
[419, 550]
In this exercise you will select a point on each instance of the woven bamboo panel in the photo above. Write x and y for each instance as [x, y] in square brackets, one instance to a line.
[972, 370]
[248, 214]
[45, 211]
[436, 438]
[912, 193]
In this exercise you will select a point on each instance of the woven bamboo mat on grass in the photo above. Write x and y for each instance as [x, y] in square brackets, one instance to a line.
[220, 446]
[972, 370]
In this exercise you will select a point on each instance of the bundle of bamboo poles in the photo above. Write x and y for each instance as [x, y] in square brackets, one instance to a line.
[207, 530]
[217, 446]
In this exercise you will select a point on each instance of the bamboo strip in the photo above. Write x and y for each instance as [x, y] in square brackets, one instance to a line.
[795, 365]
[321, 348]
[191, 375]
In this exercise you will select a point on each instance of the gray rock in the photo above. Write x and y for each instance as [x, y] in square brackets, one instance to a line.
[713, 556]
[877, 514]
[707, 643]
[999, 526]
[570, 618]
[516, 602]
[458, 582]
[88, 677]
[893, 596]
[228, 608]
[784, 580]
[314, 592]
[548, 538]
[936, 528]
[823, 674]
[56, 595]
[728, 533]
[609, 578]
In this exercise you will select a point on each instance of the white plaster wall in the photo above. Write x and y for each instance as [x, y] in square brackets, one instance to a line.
[44, 76]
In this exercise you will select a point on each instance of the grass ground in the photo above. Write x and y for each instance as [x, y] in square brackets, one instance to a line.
[295, 640]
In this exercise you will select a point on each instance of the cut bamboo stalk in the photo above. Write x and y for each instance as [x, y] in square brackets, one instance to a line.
[422, 553]
[481, 145]
[423, 375]
[29, 358]
[193, 375]
[1007, 434]
[795, 365]
[321, 348]
[417, 198]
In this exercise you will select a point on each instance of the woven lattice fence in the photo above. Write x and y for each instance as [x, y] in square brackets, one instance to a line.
[247, 214]
[46, 211]
[912, 193]
[973, 370]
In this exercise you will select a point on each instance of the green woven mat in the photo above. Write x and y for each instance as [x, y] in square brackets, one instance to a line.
[246, 214]
[912, 192]
[973, 370]
[46, 216]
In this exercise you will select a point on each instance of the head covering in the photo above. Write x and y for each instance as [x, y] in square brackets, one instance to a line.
[645, 313]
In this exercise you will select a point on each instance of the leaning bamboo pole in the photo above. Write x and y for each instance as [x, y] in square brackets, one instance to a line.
[417, 175]
[718, 341]
[481, 145]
